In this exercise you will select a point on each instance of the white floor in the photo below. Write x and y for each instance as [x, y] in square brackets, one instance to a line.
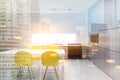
[83, 70]
[77, 69]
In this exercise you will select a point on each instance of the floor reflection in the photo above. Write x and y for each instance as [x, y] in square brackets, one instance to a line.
[74, 69]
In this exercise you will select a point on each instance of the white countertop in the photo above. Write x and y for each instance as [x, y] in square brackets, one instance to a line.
[34, 51]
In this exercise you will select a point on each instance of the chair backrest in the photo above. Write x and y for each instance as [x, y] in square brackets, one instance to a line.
[23, 58]
[50, 58]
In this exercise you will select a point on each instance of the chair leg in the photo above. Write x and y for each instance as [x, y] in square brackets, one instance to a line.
[56, 73]
[32, 73]
[38, 65]
[45, 72]
[19, 72]
[38, 72]
[29, 73]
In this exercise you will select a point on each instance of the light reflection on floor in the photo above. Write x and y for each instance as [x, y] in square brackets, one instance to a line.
[72, 70]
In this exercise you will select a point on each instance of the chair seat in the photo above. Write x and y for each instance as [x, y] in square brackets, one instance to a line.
[50, 58]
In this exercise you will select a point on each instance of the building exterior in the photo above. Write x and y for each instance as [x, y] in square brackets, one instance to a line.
[9, 70]
[17, 18]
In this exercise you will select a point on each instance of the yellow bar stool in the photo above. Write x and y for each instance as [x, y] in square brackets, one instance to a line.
[23, 59]
[50, 58]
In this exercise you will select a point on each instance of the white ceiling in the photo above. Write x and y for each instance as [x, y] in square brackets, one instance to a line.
[65, 6]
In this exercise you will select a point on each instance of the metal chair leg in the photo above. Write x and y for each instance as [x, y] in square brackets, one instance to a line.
[38, 65]
[38, 72]
[45, 72]
[32, 73]
[29, 73]
[19, 72]
[56, 73]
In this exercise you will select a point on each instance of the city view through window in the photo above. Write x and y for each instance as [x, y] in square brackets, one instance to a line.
[76, 38]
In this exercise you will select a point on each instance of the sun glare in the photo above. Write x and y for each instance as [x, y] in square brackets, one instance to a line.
[53, 38]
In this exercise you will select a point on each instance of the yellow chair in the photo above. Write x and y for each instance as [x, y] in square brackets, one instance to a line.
[22, 59]
[50, 58]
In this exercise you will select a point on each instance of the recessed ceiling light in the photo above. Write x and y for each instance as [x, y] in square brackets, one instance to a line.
[53, 9]
[69, 9]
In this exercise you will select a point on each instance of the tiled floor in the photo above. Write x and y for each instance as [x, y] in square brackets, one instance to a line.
[80, 70]
[74, 69]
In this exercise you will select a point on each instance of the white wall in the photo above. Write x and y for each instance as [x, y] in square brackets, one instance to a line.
[118, 9]
[68, 23]
[96, 13]
[65, 22]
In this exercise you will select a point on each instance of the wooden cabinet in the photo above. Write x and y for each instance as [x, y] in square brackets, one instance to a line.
[74, 51]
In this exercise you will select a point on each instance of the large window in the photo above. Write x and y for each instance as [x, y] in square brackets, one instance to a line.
[53, 38]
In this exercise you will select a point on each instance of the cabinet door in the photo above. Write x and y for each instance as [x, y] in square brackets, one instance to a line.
[74, 52]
